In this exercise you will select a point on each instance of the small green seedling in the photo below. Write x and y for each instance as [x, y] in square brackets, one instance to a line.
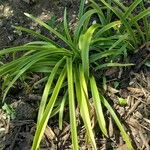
[9, 110]
[122, 101]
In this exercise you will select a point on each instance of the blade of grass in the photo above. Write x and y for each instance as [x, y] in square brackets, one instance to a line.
[13, 66]
[146, 24]
[77, 84]
[101, 55]
[51, 49]
[41, 43]
[109, 14]
[120, 4]
[128, 14]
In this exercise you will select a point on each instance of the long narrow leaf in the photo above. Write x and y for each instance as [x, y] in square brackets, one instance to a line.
[107, 27]
[50, 29]
[99, 12]
[46, 91]
[118, 123]
[81, 8]
[84, 44]
[131, 8]
[36, 34]
[144, 13]
[66, 27]
[72, 105]
[84, 108]
[51, 49]
[123, 20]
[61, 110]
[124, 37]
[98, 106]
[146, 24]
[128, 14]
[25, 68]
[42, 124]
[112, 65]
[80, 24]
[120, 4]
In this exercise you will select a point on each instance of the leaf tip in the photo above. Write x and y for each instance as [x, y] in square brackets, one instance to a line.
[26, 14]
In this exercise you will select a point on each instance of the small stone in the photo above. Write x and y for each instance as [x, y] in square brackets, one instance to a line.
[11, 38]
[1, 23]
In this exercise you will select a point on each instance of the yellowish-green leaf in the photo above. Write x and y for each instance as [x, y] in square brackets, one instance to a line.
[98, 106]
[84, 44]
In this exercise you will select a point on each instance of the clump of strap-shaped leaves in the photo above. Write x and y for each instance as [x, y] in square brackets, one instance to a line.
[134, 27]
[67, 69]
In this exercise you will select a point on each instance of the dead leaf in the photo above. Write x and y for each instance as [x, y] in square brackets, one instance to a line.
[122, 147]
[133, 108]
[49, 133]
[135, 90]
[112, 90]
[111, 128]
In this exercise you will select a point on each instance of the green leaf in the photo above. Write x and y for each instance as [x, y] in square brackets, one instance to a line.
[123, 20]
[24, 69]
[84, 110]
[141, 15]
[100, 13]
[131, 8]
[42, 124]
[72, 104]
[98, 106]
[84, 44]
[119, 41]
[61, 110]
[107, 27]
[120, 4]
[49, 48]
[51, 30]
[81, 9]
[118, 123]
[36, 34]
[112, 65]
[46, 90]
[66, 27]
[80, 24]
